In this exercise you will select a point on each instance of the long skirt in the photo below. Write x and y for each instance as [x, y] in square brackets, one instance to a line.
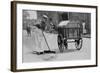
[45, 41]
[39, 42]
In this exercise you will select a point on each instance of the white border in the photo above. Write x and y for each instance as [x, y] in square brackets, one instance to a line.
[21, 65]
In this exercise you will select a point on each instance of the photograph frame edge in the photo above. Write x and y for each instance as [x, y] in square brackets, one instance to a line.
[14, 36]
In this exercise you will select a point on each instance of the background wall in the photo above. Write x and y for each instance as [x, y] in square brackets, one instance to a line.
[5, 36]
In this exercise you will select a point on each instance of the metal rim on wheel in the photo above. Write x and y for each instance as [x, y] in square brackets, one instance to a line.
[78, 44]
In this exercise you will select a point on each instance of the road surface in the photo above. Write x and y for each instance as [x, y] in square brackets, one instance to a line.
[70, 54]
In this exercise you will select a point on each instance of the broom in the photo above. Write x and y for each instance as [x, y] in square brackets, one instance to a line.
[47, 51]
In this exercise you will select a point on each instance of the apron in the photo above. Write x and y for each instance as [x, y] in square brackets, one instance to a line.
[39, 42]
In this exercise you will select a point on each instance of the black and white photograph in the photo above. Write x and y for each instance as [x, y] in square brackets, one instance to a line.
[53, 36]
[56, 36]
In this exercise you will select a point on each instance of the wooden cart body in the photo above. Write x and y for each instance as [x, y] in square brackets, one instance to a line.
[70, 30]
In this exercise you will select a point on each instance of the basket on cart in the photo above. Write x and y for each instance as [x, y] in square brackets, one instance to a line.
[70, 32]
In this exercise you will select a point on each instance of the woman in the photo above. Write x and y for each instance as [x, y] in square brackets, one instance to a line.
[41, 44]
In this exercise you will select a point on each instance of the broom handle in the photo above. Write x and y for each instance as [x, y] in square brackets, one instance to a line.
[45, 40]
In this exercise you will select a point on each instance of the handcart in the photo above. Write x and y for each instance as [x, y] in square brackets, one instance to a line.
[70, 32]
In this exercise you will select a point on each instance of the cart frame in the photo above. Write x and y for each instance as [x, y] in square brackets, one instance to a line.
[66, 34]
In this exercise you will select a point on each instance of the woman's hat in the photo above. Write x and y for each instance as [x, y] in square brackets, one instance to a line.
[45, 16]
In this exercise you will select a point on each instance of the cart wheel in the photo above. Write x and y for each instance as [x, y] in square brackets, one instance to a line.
[60, 43]
[78, 44]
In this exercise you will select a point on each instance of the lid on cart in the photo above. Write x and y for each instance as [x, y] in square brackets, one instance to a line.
[69, 24]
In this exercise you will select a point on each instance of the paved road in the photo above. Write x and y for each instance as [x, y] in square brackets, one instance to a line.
[70, 54]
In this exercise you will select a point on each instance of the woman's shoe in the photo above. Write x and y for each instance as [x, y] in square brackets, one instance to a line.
[39, 53]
